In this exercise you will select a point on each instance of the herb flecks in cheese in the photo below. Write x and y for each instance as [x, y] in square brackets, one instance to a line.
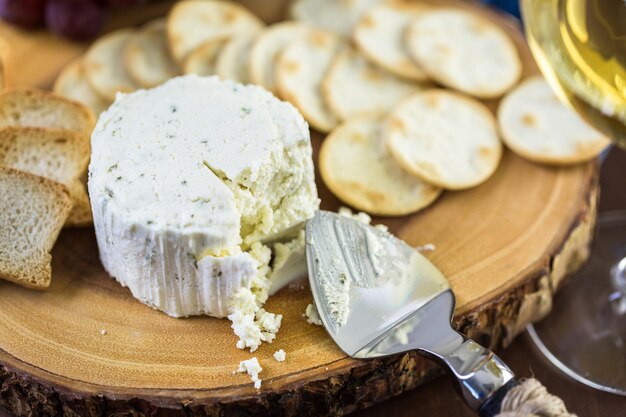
[337, 295]
[186, 180]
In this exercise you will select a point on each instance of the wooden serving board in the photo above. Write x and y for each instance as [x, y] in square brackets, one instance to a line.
[87, 347]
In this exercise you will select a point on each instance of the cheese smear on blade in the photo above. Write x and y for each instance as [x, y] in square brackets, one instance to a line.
[192, 183]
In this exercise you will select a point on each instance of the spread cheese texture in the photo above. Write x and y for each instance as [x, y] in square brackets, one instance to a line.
[192, 183]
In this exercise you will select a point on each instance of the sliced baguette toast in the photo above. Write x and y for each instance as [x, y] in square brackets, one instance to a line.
[33, 210]
[36, 108]
[58, 154]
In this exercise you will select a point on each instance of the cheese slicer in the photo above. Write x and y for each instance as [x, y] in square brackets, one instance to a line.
[378, 296]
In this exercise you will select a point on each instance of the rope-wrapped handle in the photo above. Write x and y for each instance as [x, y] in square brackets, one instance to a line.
[527, 398]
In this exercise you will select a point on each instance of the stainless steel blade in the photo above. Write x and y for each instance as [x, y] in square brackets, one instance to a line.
[378, 296]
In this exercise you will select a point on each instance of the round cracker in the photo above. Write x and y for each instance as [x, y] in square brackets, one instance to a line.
[299, 73]
[536, 125]
[202, 60]
[268, 46]
[191, 23]
[232, 62]
[446, 139]
[357, 168]
[354, 87]
[337, 16]
[379, 36]
[72, 83]
[147, 57]
[104, 69]
[464, 51]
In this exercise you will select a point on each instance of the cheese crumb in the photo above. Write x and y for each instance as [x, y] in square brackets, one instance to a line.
[429, 247]
[360, 216]
[103, 332]
[251, 323]
[313, 316]
[253, 368]
[280, 355]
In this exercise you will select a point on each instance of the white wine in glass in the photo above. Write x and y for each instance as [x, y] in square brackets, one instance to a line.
[580, 47]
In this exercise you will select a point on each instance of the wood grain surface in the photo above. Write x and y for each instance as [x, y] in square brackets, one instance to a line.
[86, 346]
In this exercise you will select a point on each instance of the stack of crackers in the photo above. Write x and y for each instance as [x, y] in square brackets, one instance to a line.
[399, 86]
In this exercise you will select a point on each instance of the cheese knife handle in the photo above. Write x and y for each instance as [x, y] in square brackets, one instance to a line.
[493, 405]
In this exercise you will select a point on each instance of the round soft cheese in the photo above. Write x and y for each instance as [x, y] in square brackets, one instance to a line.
[185, 178]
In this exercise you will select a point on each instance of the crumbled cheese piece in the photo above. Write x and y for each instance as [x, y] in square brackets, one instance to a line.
[280, 355]
[251, 323]
[360, 216]
[429, 247]
[382, 227]
[312, 315]
[253, 368]
[103, 332]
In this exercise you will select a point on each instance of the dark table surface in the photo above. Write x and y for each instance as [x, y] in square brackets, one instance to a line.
[438, 399]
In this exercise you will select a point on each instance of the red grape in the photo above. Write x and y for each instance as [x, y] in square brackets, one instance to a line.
[76, 19]
[26, 13]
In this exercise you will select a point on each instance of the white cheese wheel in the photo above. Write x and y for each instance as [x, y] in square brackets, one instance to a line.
[185, 178]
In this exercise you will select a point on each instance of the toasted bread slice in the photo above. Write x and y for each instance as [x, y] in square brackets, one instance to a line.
[104, 64]
[536, 125]
[444, 138]
[354, 87]
[58, 154]
[357, 168]
[147, 56]
[193, 22]
[299, 73]
[464, 51]
[32, 212]
[36, 108]
[72, 83]
[5, 63]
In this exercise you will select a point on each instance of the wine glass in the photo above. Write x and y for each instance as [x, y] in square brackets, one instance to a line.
[580, 47]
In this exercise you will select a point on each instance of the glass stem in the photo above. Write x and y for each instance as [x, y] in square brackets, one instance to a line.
[618, 279]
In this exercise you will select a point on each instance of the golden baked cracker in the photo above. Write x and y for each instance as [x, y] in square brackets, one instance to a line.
[356, 167]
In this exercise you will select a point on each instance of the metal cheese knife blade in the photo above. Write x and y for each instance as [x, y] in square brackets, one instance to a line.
[378, 296]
